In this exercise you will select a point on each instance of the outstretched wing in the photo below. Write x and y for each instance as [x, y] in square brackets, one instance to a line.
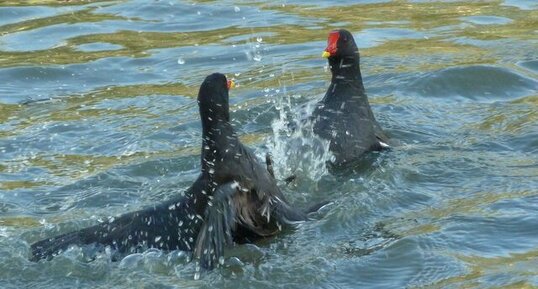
[233, 209]
[263, 209]
[216, 232]
[170, 225]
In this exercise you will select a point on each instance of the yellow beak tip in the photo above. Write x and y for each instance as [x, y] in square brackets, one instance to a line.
[325, 54]
[231, 84]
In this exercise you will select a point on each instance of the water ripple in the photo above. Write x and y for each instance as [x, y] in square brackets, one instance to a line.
[98, 117]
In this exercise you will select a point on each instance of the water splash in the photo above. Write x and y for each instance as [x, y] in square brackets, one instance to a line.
[132, 260]
[295, 148]
[257, 57]
[255, 49]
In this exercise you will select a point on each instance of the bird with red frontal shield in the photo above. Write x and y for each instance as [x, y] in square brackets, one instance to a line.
[343, 116]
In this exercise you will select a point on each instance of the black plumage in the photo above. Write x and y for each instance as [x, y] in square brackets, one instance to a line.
[344, 116]
[235, 198]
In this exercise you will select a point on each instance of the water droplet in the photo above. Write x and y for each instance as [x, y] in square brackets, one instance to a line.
[131, 261]
[259, 39]
[257, 57]
[237, 9]
[157, 239]
[180, 61]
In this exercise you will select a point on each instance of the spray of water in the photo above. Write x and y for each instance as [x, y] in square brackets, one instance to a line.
[295, 148]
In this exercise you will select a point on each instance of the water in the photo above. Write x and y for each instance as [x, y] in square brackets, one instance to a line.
[98, 118]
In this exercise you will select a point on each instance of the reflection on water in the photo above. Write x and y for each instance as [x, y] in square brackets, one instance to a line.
[98, 117]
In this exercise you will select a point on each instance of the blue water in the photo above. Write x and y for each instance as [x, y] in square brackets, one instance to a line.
[98, 117]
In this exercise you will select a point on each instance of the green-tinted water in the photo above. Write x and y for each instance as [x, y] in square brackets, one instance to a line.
[98, 118]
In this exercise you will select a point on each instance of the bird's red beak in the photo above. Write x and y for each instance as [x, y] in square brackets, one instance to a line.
[331, 44]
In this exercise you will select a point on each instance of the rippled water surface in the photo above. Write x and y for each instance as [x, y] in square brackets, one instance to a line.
[98, 117]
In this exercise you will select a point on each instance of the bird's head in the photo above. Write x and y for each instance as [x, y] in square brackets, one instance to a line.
[340, 44]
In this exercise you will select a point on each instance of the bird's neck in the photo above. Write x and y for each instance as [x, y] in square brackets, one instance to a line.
[346, 70]
[218, 138]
